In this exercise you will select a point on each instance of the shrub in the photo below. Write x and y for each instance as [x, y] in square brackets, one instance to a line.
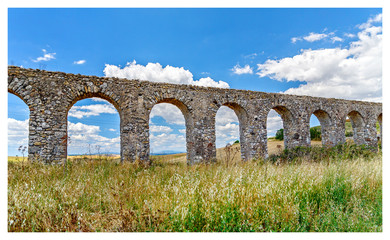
[344, 151]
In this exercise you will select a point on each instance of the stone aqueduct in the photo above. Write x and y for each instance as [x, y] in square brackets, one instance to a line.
[50, 95]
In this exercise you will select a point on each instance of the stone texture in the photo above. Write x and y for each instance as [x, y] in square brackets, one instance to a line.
[50, 95]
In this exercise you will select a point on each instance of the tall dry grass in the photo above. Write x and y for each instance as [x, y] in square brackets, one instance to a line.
[337, 195]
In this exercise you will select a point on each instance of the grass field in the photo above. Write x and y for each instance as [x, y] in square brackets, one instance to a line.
[338, 191]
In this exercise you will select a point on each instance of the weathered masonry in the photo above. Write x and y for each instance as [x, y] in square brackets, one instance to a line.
[50, 95]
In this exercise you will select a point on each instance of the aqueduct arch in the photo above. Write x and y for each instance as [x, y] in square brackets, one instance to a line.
[357, 126]
[242, 116]
[380, 127]
[184, 109]
[49, 96]
[326, 125]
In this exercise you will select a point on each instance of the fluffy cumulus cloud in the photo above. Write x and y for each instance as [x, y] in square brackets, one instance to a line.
[91, 110]
[46, 56]
[17, 134]
[354, 72]
[155, 72]
[169, 112]
[242, 70]
[86, 138]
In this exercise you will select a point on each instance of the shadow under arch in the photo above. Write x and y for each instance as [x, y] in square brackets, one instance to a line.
[326, 124]
[357, 123]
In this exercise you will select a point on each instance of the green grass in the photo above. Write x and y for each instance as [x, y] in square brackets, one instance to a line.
[328, 194]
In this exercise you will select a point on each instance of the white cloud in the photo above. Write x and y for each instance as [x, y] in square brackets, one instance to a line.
[95, 99]
[91, 110]
[226, 126]
[167, 142]
[252, 55]
[79, 62]
[312, 37]
[156, 73]
[226, 134]
[376, 19]
[242, 70]
[80, 128]
[336, 39]
[225, 115]
[354, 72]
[17, 133]
[183, 131]
[46, 56]
[169, 112]
[274, 123]
[349, 35]
[112, 130]
[209, 82]
[162, 129]
[81, 135]
[295, 39]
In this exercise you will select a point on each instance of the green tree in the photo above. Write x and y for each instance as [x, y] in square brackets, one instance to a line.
[315, 133]
[279, 134]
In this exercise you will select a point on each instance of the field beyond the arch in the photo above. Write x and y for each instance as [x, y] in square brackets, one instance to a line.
[342, 192]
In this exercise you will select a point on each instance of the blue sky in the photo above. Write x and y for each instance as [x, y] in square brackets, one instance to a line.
[271, 50]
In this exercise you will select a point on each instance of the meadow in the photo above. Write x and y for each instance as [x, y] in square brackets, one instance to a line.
[303, 190]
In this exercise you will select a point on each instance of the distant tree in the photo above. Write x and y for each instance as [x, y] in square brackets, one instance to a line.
[236, 142]
[315, 133]
[279, 134]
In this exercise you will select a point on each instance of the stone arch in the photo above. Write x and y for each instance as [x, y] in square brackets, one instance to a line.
[380, 127]
[88, 95]
[358, 125]
[326, 125]
[288, 124]
[28, 135]
[242, 116]
[185, 110]
[93, 95]
[27, 102]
